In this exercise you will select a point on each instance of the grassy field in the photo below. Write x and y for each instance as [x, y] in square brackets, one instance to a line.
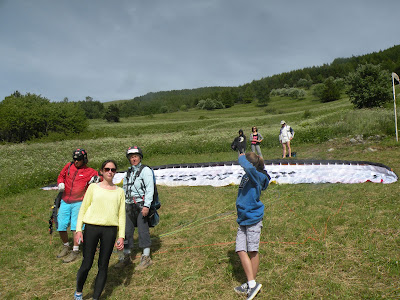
[319, 241]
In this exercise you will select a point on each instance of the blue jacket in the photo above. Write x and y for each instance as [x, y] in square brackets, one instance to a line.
[142, 189]
[250, 210]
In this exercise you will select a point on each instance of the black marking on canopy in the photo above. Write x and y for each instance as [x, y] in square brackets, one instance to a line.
[274, 162]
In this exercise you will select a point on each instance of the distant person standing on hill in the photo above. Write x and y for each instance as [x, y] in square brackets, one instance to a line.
[240, 142]
[73, 181]
[256, 139]
[285, 136]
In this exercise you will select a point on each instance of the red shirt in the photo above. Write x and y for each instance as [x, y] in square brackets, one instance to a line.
[76, 181]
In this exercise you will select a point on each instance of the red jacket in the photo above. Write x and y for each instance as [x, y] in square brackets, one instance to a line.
[76, 181]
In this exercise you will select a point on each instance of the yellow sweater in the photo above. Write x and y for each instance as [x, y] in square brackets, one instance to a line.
[103, 207]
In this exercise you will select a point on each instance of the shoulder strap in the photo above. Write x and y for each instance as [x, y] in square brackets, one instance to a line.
[130, 184]
[140, 170]
[69, 167]
[128, 174]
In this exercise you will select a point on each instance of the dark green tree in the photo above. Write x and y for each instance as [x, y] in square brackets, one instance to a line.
[261, 92]
[164, 109]
[317, 90]
[112, 113]
[227, 98]
[369, 86]
[92, 109]
[32, 116]
[248, 94]
[330, 91]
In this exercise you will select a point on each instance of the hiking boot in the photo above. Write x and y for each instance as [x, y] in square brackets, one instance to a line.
[242, 289]
[123, 262]
[145, 261]
[252, 292]
[64, 251]
[78, 297]
[72, 256]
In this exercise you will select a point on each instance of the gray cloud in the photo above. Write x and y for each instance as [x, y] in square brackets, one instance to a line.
[120, 50]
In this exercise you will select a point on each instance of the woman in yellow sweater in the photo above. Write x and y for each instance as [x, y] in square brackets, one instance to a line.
[103, 213]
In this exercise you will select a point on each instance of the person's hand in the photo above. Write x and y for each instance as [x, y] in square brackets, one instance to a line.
[241, 154]
[78, 237]
[120, 244]
[145, 211]
[61, 187]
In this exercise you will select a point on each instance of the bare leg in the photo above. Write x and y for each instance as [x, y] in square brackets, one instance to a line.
[63, 236]
[255, 262]
[75, 243]
[247, 265]
[289, 149]
[284, 150]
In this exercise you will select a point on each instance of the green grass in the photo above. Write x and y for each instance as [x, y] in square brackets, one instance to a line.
[319, 241]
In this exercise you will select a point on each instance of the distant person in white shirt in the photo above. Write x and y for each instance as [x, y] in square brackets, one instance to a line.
[285, 136]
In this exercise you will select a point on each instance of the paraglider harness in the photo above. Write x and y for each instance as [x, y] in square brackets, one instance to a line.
[55, 207]
[53, 216]
[57, 202]
[153, 217]
[239, 144]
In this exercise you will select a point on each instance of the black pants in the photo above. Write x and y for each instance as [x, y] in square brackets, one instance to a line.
[91, 236]
[134, 218]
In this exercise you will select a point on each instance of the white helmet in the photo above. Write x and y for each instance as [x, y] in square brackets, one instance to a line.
[134, 150]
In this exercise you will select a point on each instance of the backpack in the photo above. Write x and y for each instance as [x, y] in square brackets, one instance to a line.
[234, 144]
[153, 216]
[291, 131]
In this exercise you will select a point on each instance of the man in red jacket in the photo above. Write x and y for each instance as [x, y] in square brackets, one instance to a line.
[73, 181]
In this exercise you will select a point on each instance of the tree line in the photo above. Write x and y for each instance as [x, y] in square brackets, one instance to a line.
[365, 79]
[328, 80]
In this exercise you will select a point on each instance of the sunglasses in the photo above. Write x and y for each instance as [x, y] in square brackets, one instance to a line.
[110, 169]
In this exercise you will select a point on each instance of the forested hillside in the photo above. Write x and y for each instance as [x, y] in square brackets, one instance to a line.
[259, 89]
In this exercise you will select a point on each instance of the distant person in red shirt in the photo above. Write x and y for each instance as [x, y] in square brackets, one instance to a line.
[256, 139]
[73, 181]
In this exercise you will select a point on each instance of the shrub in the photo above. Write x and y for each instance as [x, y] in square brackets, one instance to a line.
[295, 93]
[92, 109]
[304, 83]
[369, 86]
[330, 91]
[24, 117]
[318, 90]
[210, 104]
[164, 109]
[112, 114]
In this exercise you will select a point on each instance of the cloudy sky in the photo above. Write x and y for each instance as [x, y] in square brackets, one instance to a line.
[121, 49]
